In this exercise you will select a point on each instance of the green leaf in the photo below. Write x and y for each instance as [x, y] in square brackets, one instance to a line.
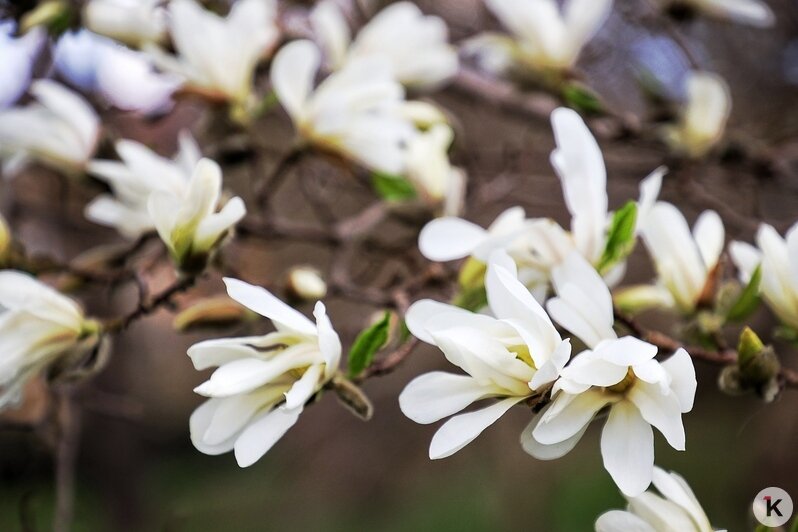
[749, 298]
[582, 99]
[620, 238]
[473, 299]
[392, 187]
[367, 343]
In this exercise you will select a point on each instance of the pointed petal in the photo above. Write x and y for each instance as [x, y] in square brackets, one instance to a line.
[436, 395]
[263, 433]
[263, 302]
[627, 447]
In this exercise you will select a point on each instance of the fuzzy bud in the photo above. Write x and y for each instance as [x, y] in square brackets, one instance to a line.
[305, 283]
[214, 312]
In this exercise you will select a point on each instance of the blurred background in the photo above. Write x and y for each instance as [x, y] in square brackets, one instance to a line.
[332, 472]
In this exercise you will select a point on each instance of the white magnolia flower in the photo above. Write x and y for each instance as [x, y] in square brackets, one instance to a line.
[778, 258]
[752, 12]
[140, 173]
[619, 374]
[60, 130]
[508, 358]
[218, 55]
[38, 326]
[123, 77]
[675, 508]
[17, 55]
[416, 45]
[356, 111]
[133, 22]
[686, 262]
[429, 169]
[545, 36]
[538, 245]
[703, 118]
[263, 382]
[186, 217]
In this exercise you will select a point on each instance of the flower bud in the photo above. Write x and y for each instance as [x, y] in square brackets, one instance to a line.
[213, 312]
[352, 397]
[53, 14]
[758, 363]
[6, 241]
[305, 283]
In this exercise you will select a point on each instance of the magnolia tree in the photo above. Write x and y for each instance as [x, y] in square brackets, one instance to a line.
[535, 315]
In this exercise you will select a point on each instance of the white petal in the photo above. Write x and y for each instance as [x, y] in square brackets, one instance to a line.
[660, 410]
[332, 31]
[662, 514]
[709, 237]
[199, 422]
[421, 312]
[627, 447]
[626, 351]
[263, 302]
[683, 382]
[263, 433]
[676, 489]
[620, 521]
[552, 451]
[329, 342]
[463, 429]
[450, 238]
[570, 420]
[649, 192]
[304, 388]
[436, 395]
[292, 73]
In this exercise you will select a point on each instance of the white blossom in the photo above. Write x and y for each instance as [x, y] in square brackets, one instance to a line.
[429, 169]
[59, 130]
[123, 77]
[507, 357]
[38, 326]
[133, 22]
[356, 111]
[620, 375]
[752, 12]
[262, 383]
[685, 261]
[414, 44]
[187, 219]
[544, 36]
[675, 508]
[17, 56]
[703, 117]
[778, 259]
[218, 55]
[133, 180]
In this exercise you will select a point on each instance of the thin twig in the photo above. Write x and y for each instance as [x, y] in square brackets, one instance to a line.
[66, 460]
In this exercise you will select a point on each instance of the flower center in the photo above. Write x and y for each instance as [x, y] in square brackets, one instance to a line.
[624, 384]
[522, 353]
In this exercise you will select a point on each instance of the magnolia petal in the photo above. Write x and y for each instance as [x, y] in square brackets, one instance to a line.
[683, 382]
[263, 433]
[660, 410]
[661, 514]
[676, 490]
[709, 236]
[450, 238]
[292, 73]
[626, 351]
[551, 451]
[304, 388]
[329, 342]
[627, 447]
[436, 395]
[620, 521]
[570, 420]
[421, 312]
[263, 302]
[463, 429]
[199, 422]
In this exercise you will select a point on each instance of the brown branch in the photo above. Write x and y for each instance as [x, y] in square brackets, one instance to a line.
[146, 308]
[66, 461]
[389, 362]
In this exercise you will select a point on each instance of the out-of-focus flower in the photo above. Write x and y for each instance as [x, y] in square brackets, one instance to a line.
[686, 262]
[218, 56]
[415, 45]
[356, 111]
[133, 22]
[619, 373]
[538, 245]
[306, 283]
[429, 168]
[545, 37]
[751, 12]
[507, 358]
[59, 130]
[38, 327]
[262, 383]
[674, 508]
[703, 118]
[140, 173]
[778, 258]
[17, 55]
[125, 78]
[187, 220]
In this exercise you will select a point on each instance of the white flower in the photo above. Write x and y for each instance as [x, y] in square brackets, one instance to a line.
[674, 509]
[133, 180]
[618, 373]
[686, 262]
[133, 22]
[187, 220]
[60, 130]
[356, 111]
[17, 55]
[703, 118]
[538, 245]
[429, 169]
[125, 78]
[218, 55]
[507, 358]
[38, 326]
[545, 37]
[262, 383]
[778, 258]
[752, 12]
[415, 44]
